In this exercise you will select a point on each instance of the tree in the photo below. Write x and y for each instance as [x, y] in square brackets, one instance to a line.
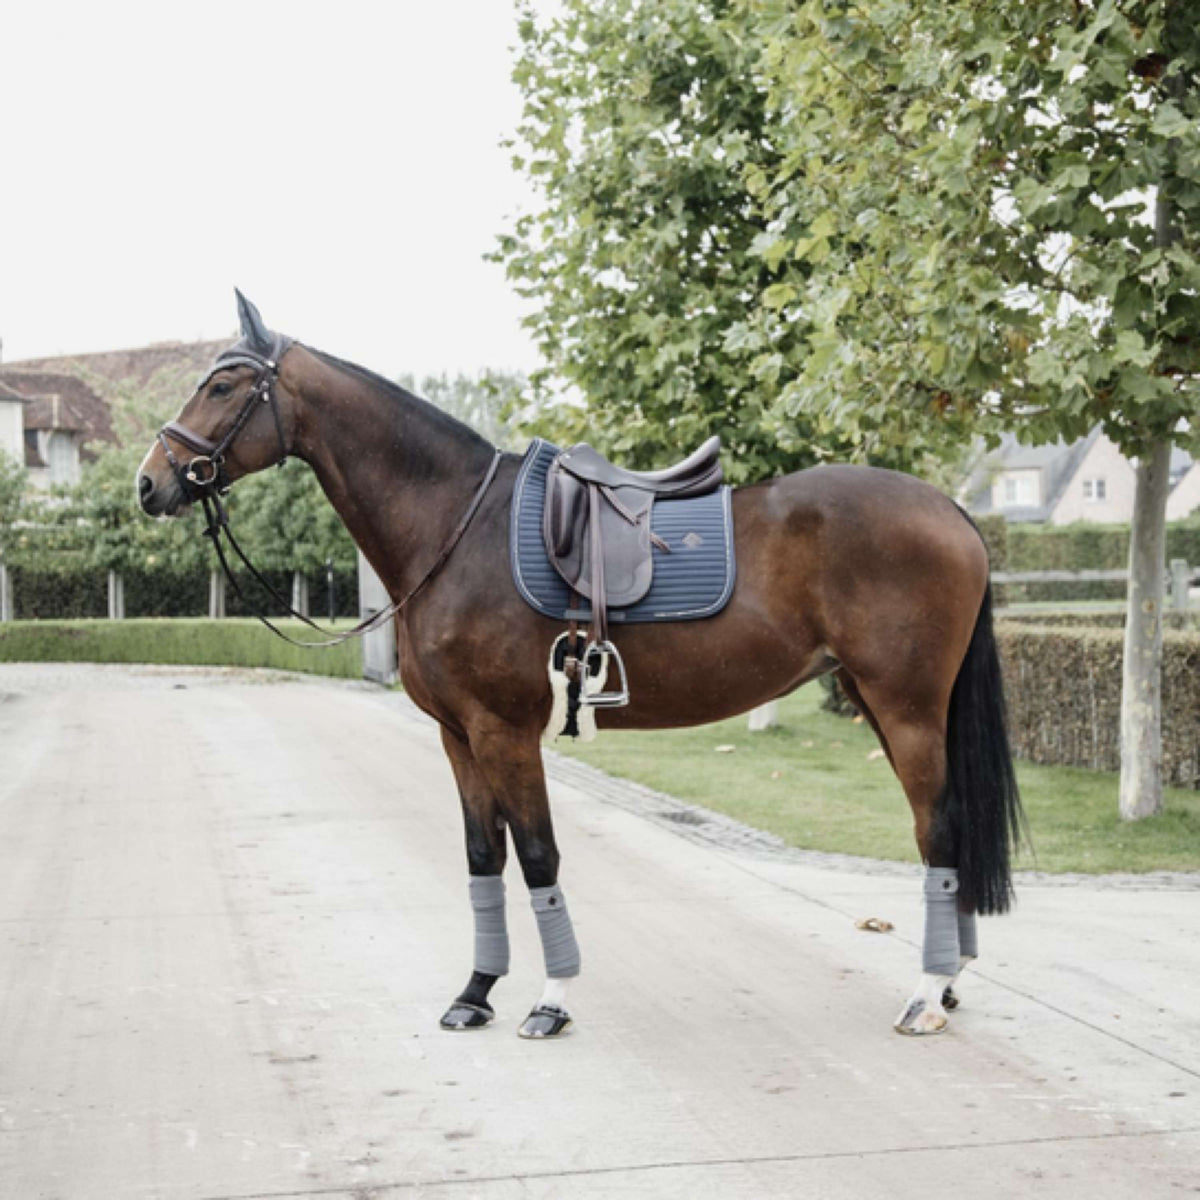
[987, 218]
[13, 485]
[487, 401]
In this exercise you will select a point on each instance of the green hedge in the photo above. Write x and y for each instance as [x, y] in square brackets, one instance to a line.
[1084, 547]
[1064, 697]
[72, 592]
[232, 643]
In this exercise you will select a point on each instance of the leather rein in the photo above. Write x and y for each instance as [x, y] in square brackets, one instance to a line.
[204, 478]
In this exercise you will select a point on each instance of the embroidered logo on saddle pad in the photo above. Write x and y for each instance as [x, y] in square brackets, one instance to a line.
[695, 583]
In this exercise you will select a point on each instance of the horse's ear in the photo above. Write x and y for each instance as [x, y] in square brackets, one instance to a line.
[253, 329]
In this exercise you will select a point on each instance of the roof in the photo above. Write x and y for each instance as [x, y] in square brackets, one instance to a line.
[7, 393]
[59, 401]
[137, 365]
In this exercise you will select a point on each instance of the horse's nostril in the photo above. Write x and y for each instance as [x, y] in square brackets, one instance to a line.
[145, 487]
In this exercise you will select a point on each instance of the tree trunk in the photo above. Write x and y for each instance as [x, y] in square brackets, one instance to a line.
[1141, 686]
[766, 716]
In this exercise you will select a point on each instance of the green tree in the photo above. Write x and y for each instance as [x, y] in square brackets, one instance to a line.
[13, 485]
[487, 401]
[987, 218]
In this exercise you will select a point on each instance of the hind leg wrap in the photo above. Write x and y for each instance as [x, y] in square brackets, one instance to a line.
[558, 935]
[968, 937]
[491, 929]
[940, 952]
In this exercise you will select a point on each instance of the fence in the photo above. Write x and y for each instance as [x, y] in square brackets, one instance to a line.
[1181, 576]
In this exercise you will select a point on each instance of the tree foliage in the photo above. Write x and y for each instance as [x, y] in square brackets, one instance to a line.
[963, 217]
[870, 231]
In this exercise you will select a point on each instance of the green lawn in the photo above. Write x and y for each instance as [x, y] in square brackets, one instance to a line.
[816, 783]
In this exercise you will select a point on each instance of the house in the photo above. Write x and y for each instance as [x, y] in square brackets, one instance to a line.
[53, 409]
[1059, 483]
[1184, 497]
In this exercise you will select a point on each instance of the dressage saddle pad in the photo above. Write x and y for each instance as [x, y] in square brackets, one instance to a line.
[694, 580]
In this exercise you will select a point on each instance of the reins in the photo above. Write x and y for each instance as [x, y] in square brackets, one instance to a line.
[204, 479]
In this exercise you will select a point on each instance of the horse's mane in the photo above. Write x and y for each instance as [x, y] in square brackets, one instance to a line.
[400, 395]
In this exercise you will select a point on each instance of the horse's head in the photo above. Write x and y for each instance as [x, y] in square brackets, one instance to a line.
[237, 422]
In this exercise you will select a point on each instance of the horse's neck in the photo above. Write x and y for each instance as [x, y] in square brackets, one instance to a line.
[399, 473]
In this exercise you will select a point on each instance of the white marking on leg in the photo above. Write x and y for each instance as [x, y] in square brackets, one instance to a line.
[554, 994]
[924, 1012]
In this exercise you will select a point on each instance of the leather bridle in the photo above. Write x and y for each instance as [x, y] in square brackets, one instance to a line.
[204, 476]
[204, 479]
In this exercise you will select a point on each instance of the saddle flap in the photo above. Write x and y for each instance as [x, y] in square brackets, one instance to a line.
[625, 546]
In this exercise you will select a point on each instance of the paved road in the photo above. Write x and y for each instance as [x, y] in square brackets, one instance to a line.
[231, 911]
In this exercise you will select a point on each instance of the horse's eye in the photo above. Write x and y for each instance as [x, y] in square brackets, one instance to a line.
[221, 389]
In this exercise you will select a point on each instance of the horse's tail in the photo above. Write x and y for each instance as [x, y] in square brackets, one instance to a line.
[981, 815]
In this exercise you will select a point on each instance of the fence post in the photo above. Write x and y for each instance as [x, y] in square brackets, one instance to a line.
[116, 596]
[300, 593]
[6, 595]
[378, 646]
[1180, 582]
[766, 716]
[216, 595]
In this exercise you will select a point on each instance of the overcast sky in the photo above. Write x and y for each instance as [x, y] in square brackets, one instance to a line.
[339, 163]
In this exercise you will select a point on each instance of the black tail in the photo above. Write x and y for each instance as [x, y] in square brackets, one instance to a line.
[980, 815]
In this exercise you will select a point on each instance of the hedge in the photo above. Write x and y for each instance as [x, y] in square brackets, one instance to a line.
[232, 643]
[72, 592]
[1081, 547]
[1063, 687]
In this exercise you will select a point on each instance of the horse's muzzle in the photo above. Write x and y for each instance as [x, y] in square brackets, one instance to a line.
[164, 499]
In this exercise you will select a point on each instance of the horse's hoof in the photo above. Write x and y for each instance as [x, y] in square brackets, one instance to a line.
[546, 1021]
[461, 1015]
[918, 1021]
[949, 1000]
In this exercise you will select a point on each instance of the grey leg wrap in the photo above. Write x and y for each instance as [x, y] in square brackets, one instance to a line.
[940, 956]
[491, 932]
[558, 935]
[968, 935]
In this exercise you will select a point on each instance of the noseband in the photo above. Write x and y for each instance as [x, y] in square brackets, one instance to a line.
[204, 476]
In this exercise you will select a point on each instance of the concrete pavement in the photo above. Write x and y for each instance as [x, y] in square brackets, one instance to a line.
[233, 906]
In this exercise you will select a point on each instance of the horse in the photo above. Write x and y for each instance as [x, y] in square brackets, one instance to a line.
[867, 574]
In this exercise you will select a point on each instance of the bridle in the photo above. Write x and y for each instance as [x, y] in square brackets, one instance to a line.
[203, 478]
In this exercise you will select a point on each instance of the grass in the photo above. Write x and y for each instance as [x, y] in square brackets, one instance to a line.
[816, 782]
[198, 642]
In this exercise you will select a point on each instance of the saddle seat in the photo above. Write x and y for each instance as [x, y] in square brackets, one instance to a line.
[696, 475]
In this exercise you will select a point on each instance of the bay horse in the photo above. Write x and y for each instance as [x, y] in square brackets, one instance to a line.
[868, 574]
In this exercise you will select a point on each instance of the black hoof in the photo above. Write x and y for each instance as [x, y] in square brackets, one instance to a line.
[546, 1021]
[949, 1000]
[461, 1015]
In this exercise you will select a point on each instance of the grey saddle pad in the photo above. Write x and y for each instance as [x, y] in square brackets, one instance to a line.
[695, 580]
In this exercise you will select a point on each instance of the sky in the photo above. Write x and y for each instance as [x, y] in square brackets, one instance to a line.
[341, 164]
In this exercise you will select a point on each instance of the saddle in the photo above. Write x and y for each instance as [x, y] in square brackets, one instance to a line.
[596, 529]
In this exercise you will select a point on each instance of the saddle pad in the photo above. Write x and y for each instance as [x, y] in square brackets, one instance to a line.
[695, 580]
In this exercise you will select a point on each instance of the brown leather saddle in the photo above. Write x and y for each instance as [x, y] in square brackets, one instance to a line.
[596, 527]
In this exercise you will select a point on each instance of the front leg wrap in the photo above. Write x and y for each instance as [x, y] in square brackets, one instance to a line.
[491, 929]
[558, 935]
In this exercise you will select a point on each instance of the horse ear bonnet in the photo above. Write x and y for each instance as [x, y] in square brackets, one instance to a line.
[257, 345]
[255, 335]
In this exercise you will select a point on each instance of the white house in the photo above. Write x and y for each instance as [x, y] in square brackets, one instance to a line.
[1059, 483]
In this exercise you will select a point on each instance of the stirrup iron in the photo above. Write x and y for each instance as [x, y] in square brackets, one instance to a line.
[605, 699]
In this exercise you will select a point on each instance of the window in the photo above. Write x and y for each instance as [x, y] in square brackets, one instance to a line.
[1095, 489]
[1016, 488]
